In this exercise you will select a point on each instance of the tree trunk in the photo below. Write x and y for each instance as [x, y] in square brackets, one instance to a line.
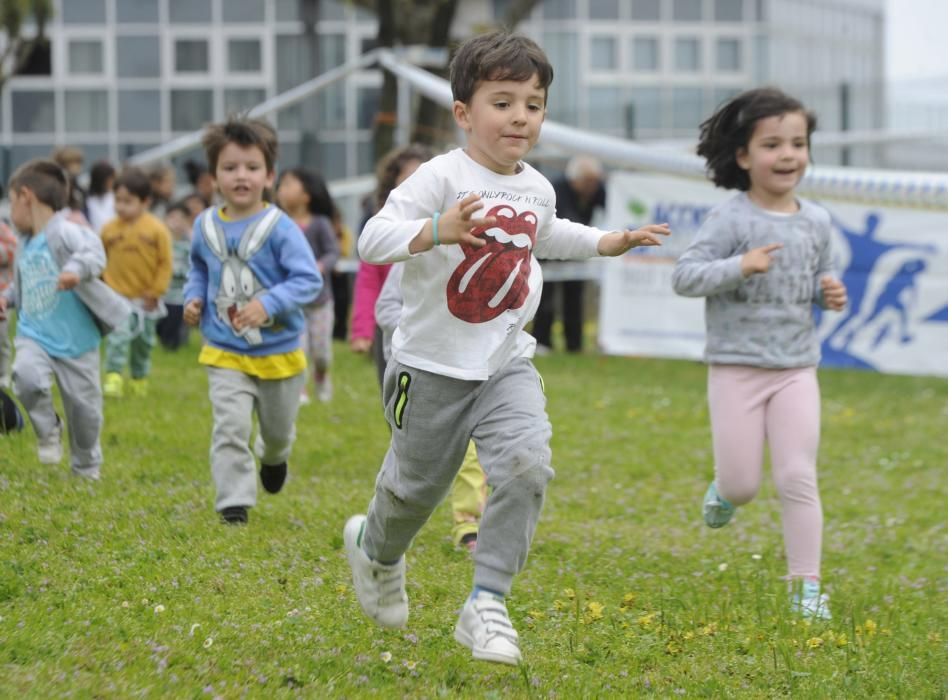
[384, 128]
[433, 124]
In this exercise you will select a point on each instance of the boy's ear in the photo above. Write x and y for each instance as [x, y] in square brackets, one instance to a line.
[459, 109]
[742, 158]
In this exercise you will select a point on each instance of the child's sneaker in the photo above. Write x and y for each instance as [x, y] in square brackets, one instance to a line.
[112, 386]
[50, 449]
[484, 628]
[379, 587]
[808, 600]
[138, 387]
[469, 542]
[273, 476]
[717, 511]
[324, 389]
[304, 398]
[234, 515]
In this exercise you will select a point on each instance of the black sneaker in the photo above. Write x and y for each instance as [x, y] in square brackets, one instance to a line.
[234, 515]
[273, 476]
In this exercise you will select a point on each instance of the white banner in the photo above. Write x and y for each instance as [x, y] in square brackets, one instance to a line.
[893, 261]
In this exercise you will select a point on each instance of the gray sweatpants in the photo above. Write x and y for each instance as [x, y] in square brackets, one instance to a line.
[235, 397]
[432, 419]
[81, 392]
[6, 354]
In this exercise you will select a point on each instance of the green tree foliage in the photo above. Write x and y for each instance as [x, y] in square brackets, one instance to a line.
[17, 48]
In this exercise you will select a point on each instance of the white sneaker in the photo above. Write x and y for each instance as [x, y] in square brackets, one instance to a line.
[324, 389]
[379, 587]
[50, 449]
[304, 398]
[484, 628]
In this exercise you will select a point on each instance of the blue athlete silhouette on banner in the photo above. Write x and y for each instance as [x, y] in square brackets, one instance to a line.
[888, 316]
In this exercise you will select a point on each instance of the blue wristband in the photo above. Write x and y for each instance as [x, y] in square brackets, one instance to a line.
[434, 227]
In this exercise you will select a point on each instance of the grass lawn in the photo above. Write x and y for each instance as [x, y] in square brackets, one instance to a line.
[130, 587]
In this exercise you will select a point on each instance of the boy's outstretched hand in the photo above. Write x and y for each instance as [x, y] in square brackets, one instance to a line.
[618, 242]
[192, 312]
[454, 226]
[834, 293]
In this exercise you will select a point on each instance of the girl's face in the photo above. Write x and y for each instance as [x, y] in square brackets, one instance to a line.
[776, 157]
[290, 193]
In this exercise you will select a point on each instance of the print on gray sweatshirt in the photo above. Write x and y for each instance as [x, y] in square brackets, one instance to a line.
[765, 320]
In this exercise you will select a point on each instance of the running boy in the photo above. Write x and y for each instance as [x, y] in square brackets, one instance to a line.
[63, 309]
[460, 366]
[138, 247]
[251, 272]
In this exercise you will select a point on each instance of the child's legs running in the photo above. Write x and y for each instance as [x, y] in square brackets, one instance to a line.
[6, 354]
[737, 398]
[793, 432]
[512, 433]
[81, 392]
[33, 385]
[142, 345]
[468, 495]
[233, 466]
[429, 415]
[117, 344]
[277, 404]
[319, 324]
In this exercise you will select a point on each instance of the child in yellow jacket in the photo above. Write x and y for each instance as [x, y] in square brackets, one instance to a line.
[139, 261]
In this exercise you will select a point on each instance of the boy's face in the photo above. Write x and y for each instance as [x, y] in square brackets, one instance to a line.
[242, 176]
[502, 121]
[128, 206]
[178, 223]
[20, 213]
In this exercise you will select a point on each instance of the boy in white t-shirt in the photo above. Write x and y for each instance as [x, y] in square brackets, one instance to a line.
[460, 366]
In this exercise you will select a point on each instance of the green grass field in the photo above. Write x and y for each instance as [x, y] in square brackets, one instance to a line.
[130, 587]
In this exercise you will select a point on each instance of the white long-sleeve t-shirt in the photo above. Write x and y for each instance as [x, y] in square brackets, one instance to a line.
[465, 307]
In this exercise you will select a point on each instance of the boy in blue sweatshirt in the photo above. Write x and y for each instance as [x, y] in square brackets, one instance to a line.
[251, 272]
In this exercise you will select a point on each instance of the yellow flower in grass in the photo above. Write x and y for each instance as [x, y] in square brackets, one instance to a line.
[689, 635]
[934, 637]
[709, 629]
[814, 642]
[537, 614]
[870, 627]
[841, 640]
[645, 621]
[341, 588]
[672, 648]
[628, 600]
[559, 605]
[569, 593]
[594, 611]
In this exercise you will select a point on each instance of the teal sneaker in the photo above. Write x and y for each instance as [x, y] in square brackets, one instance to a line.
[717, 511]
[808, 600]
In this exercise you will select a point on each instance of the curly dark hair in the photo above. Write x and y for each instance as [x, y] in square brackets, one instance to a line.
[389, 167]
[730, 129]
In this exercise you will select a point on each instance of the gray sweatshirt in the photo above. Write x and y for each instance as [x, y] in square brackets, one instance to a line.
[765, 320]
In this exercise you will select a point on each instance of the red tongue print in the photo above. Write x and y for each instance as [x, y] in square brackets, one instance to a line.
[493, 278]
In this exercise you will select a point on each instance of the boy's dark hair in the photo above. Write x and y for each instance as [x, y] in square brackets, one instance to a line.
[497, 56]
[45, 179]
[386, 173]
[320, 201]
[178, 206]
[99, 176]
[135, 181]
[730, 129]
[244, 132]
[194, 170]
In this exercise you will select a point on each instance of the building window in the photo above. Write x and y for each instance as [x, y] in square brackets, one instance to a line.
[138, 57]
[729, 10]
[647, 10]
[368, 104]
[645, 109]
[129, 11]
[85, 57]
[190, 56]
[605, 112]
[139, 110]
[686, 10]
[243, 11]
[243, 56]
[559, 9]
[688, 54]
[86, 110]
[603, 9]
[185, 11]
[687, 107]
[728, 55]
[722, 95]
[191, 109]
[34, 111]
[563, 51]
[242, 99]
[645, 53]
[603, 53]
[84, 12]
[333, 159]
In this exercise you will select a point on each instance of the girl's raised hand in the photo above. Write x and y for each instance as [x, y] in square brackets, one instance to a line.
[758, 260]
[618, 242]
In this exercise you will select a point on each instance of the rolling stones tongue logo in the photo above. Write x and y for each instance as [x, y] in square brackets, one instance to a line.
[493, 278]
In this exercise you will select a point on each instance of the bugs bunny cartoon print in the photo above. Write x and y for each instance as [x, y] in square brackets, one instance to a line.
[239, 285]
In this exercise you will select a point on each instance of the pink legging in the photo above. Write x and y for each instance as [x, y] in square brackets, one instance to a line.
[749, 405]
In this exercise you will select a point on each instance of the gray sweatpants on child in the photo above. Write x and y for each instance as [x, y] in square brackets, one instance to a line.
[6, 354]
[235, 397]
[81, 392]
[433, 418]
